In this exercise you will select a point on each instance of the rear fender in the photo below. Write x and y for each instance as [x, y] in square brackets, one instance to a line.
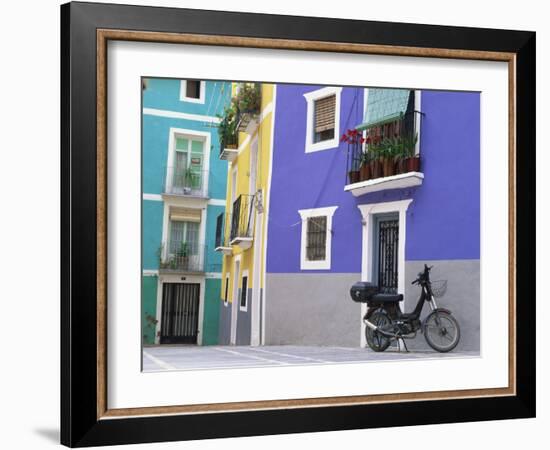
[373, 309]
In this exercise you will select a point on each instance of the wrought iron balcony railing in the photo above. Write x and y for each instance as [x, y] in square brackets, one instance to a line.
[183, 257]
[222, 238]
[185, 182]
[242, 219]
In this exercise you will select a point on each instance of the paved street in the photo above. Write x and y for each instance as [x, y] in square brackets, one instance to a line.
[187, 357]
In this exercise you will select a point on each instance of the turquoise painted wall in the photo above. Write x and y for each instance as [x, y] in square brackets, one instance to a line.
[148, 308]
[211, 311]
[152, 212]
[164, 93]
[156, 133]
[213, 258]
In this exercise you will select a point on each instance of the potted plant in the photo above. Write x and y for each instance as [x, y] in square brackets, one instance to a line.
[248, 98]
[182, 256]
[386, 158]
[354, 139]
[227, 129]
[191, 179]
[364, 171]
[412, 161]
[354, 176]
[376, 150]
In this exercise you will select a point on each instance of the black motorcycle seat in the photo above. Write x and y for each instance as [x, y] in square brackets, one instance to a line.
[386, 298]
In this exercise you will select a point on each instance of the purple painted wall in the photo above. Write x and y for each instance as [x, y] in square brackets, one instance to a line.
[443, 219]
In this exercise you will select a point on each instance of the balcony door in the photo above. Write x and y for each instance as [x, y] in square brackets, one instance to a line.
[184, 245]
[186, 173]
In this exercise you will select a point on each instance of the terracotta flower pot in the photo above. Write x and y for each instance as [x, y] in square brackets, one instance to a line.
[388, 167]
[353, 176]
[413, 164]
[365, 172]
[402, 165]
[375, 169]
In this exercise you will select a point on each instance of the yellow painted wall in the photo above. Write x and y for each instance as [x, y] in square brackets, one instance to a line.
[242, 162]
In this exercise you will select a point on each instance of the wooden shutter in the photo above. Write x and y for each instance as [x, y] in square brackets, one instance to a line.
[324, 113]
[185, 215]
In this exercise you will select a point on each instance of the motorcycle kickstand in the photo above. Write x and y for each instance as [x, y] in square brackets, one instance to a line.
[400, 341]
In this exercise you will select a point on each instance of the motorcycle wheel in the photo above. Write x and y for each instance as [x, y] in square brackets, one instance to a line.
[376, 340]
[441, 331]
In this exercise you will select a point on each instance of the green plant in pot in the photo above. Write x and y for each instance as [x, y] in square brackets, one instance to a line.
[412, 161]
[364, 171]
[227, 129]
[396, 153]
[182, 255]
[386, 157]
[191, 180]
[375, 150]
[248, 98]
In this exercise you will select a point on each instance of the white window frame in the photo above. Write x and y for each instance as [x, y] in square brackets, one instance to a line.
[183, 92]
[244, 274]
[176, 202]
[311, 98]
[305, 214]
[204, 136]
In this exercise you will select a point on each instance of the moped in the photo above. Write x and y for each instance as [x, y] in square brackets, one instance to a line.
[386, 323]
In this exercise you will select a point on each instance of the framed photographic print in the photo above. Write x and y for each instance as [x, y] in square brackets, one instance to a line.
[277, 224]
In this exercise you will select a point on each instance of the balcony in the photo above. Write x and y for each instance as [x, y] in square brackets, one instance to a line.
[384, 155]
[182, 257]
[242, 222]
[222, 241]
[248, 101]
[229, 147]
[186, 182]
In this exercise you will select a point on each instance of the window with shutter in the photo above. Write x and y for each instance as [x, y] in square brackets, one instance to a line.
[324, 118]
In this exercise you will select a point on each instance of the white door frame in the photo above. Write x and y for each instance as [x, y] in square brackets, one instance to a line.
[368, 212]
[235, 300]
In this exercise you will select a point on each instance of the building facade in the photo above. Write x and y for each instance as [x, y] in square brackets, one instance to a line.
[328, 228]
[183, 185]
[241, 231]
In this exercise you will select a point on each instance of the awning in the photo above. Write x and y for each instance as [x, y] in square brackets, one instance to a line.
[384, 105]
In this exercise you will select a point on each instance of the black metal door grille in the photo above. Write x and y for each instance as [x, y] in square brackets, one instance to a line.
[180, 313]
[388, 251]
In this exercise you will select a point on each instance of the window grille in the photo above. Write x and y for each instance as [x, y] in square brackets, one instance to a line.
[316, 238]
